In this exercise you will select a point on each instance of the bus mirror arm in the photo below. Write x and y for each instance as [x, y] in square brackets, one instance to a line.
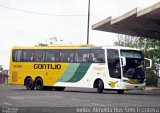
[150, 63]
[123, 61]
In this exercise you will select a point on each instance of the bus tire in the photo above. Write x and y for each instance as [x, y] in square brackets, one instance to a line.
[120, 91]
[29, 84]
[100, 86]
[59, 88]
[39, 84]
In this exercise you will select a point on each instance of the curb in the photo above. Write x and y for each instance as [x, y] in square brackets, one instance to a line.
[152, 88]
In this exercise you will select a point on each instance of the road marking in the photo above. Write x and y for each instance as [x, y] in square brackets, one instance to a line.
[6, 103]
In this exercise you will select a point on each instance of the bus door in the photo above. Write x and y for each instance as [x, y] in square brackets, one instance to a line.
[114, 69]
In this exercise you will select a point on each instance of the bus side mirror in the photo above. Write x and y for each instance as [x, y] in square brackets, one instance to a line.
[148, 63]
[123, 61]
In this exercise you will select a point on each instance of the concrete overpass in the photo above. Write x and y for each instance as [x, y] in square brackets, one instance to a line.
[143, 23]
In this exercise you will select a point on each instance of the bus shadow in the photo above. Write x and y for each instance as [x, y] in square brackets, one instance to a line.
[112, 93]
[88, 92]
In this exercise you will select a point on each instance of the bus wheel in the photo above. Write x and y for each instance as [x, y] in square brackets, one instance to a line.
[120, 91]
[100, 86]
[39, 84]
[29, 84]
[59, 88]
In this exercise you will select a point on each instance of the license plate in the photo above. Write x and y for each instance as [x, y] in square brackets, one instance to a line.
[133, 81]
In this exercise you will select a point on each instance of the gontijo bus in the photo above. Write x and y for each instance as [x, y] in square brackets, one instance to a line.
[87, 66]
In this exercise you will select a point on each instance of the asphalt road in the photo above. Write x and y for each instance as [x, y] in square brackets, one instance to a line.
[18, 99]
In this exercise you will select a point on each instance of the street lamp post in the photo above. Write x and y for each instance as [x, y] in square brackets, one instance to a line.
[88, 21]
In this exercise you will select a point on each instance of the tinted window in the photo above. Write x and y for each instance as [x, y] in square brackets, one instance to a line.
[66, 55]
[28, 55]
[38, 55]
[97, 56]
[131, 54]
[52, 56]
[113, 63]
[82, 55]
[14, 53]
[94, 55]
[17, 55]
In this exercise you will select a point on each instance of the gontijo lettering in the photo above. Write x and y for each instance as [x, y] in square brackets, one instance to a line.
[47, 66]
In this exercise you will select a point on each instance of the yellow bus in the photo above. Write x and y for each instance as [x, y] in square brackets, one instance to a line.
[86, 66]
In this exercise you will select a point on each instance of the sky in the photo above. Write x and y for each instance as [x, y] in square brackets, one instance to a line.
[28, 22]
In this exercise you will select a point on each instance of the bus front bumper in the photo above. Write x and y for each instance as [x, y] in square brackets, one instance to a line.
[128, 86]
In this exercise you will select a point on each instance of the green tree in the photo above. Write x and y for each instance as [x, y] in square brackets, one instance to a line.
[150, 48]
[126, 40]
[50, 41]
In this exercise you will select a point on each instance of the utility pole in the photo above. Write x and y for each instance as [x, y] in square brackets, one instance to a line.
[88, 21]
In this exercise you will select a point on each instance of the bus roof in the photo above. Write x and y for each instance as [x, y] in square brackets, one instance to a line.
[71, 46]
[122, 47]
[58, 46]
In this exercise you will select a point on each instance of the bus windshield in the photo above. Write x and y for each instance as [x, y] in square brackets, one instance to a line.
[134, 64]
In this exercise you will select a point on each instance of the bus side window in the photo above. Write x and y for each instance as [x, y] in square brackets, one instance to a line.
[52, 56]
[82, 55]
[27, 55]
[62, 57]
[38, 55]
[17, 55]
[14, 55]
[97, 56]
[66, 55]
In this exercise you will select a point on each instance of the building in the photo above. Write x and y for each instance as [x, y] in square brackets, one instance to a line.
[4, 77]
